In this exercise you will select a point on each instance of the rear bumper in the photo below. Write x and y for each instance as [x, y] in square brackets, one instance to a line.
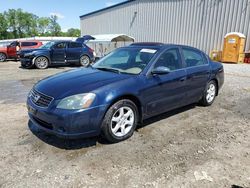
[67, 123]
[220, 77]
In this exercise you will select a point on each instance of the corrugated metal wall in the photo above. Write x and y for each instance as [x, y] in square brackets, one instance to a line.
[199, 23]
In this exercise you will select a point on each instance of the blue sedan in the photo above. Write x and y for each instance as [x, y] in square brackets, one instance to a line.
[122, 89]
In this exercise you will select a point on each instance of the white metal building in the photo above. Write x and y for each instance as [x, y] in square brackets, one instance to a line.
[199, 23]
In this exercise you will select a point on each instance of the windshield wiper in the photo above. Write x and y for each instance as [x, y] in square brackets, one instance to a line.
[108, 69]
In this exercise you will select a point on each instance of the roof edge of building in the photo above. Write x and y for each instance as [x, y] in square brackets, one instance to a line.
[110, 7]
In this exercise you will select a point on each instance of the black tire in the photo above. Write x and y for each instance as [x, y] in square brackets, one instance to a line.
[3, 57]
[206, 101]
[107, 123]
[41, 62]
[84, 61]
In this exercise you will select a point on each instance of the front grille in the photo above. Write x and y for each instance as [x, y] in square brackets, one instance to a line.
[40, 99]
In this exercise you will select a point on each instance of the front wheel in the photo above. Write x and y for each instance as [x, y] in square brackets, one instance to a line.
[120, 121]
[27, 65]
[3, 57]
[42, 62]
[84, 61]
[209, 94]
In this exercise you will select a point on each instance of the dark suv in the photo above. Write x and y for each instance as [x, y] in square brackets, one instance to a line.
[55, 53]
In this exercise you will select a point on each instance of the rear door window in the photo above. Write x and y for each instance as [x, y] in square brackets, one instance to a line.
[75, 45]
[26, 44]
[193, 58]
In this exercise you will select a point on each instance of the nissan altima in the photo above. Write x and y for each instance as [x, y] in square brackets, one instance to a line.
[123, 89]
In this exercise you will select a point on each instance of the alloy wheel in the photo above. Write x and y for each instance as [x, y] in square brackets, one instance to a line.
[84, 61]
[42, 62]
[2, 57]
[211, 91]
[122, 121]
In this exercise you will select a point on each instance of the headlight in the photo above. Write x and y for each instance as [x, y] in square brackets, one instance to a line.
[76, 102]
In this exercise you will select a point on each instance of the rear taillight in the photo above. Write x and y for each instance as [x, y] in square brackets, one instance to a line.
[91, 50]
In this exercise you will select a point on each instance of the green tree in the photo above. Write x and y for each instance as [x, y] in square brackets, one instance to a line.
[15, 23]
[43, 25]
[3, 27]
[55, 28]
[12, 21]
[72, 32]
[21, 24]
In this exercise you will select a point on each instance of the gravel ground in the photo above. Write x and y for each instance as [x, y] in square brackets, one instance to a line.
[190, 147]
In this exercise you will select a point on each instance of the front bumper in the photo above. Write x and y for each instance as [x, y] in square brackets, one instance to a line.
[26, 62]
[67, 123]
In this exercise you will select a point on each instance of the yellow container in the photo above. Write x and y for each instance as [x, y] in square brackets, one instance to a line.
[234, 45]
[216, 55]
[241, 58]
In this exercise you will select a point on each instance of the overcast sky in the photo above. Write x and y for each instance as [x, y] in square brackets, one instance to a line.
[68, 11]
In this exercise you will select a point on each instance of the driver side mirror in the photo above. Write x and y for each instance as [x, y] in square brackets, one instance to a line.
[160, 70]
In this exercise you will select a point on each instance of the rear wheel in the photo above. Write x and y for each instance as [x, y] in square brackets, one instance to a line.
[210, 94]
[2, 57]
[84, 61]
[41, 62]
[120, 121]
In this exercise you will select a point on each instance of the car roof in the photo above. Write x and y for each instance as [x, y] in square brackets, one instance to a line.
[29, 41]
[58, 41]
[157, 45]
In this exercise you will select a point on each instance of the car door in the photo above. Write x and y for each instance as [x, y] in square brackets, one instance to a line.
[11, 49]
[198, 72]
[166, 91]
[58, 53]
[73, 52]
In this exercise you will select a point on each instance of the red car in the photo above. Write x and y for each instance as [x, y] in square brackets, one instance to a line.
[10, 51]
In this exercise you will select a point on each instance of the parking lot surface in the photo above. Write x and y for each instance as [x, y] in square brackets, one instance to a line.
[189, 147]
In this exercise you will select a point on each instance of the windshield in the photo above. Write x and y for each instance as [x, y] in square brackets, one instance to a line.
[126, 60]
[47, 45]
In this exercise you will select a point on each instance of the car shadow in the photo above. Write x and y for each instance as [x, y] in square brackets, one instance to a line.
[75, 144]
[165, 115]
[61, 66]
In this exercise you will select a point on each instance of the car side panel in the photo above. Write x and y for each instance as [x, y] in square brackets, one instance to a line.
[58, 56]
[73, 54]
[11, 51]
[164, 92]
[217, 72]
[197, 78]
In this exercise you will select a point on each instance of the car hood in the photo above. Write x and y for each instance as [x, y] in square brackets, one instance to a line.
[32, 50]
[81, 80]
